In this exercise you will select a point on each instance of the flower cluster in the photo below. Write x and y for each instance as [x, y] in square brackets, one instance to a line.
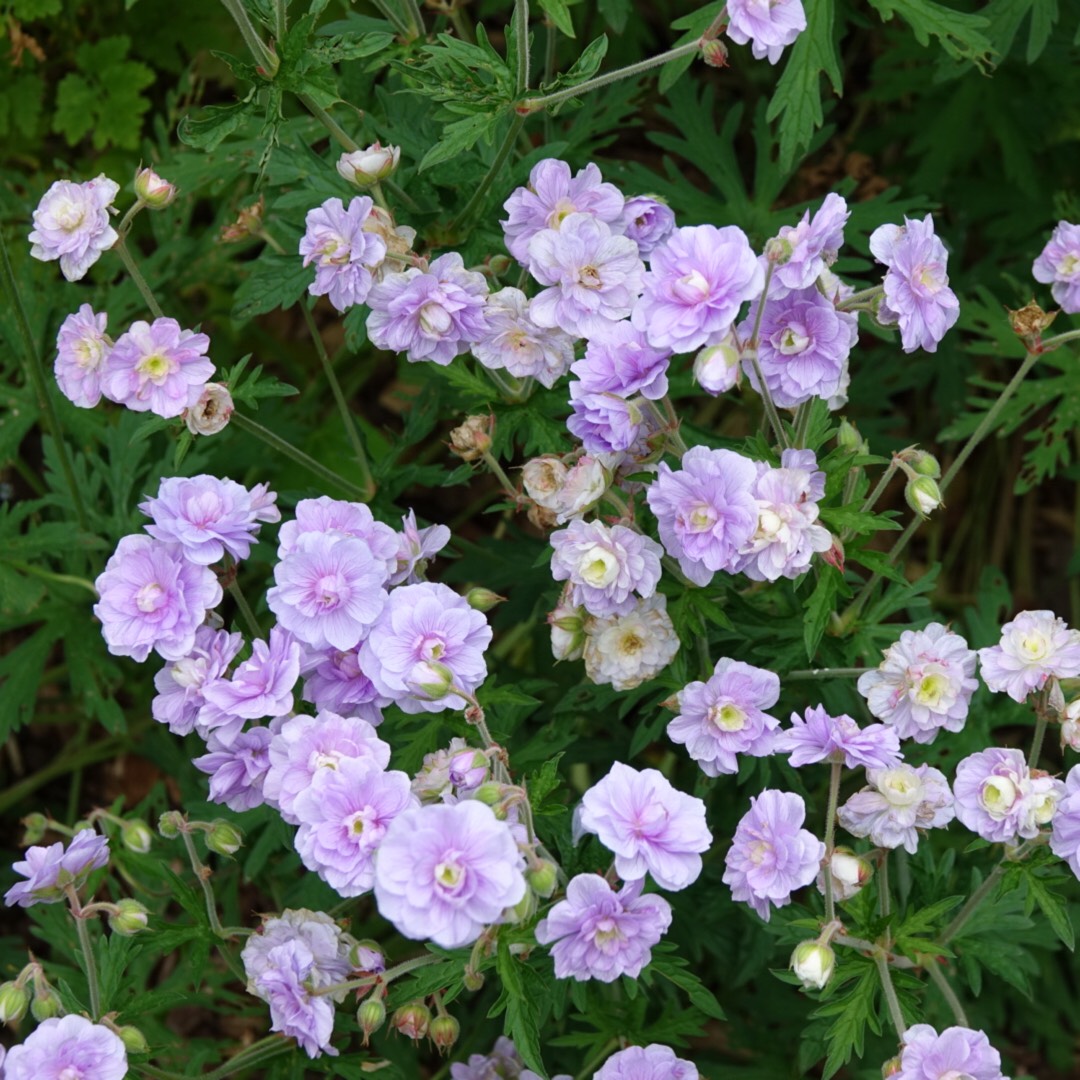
[999, 797]
[49, 871]
[1035, 647]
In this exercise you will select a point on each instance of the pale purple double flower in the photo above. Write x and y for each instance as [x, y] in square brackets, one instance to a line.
[605, 565]
[769, 25]
[725, 716]
[339, 519]
[648, 222]
[67, 1048]
[237, 767]
[1065, 835]
[334, 681]
[180, 683]
[260, 687]
[82, 347]
[1035, 647]
[623, 363]
[652, 1062]
[810, 247]
[1059, 264]
[514, 342]
[416, 548]
[345, 255]
[71, 223]
[49, 870]
[816, 736]
[608, 423]
[898, 802]
[429, 315]
[957, 1053]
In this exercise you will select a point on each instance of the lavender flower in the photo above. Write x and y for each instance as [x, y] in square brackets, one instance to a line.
[626, 650]
[328, 591]
[1000, 798]
[285, 985]
[445, 872]
[607, 423]
[697, 281]
[1059, 262]
[652, 1062]
[768, 26]
[208, 517]
[596, 933]
[237, 768]
[650, 826]
[648, 222]
[917, 289]
[503, 1063]
[958, 1053]
[706, 511]
[153, 598]
[263, 684]
[345, 254]
[771, 855]
[339, 519]
[605, 565]
[1065, 834]
[334, 681]
[898, 802]
[68, 1047]
[344, 814]
[513, 341]
[180, 684]
[157, 367]
[594, 276]
[81, 349]
[924, 684]
[433, 315]
[787, 534]
[811, 246]
[416, 547]
[1035, 647]
[803, 346]
[817, 736]
[725, 716]
[321, 935]
[623, 363]
[50, 870]
[305, 745]
[421, 624]
[551, 197]
[71, 223]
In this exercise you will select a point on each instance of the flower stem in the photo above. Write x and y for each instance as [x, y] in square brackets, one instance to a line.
[202, 872]
[827, 673]
[416, 18]
[36, 377]
[1042, 716]
[893, 1002]
[390, 11]
[937, 977]
[500, 475]
[602, 1053]
[521, 29]
[337, 132]
[478, 196]
[121, 249]
[1050, 344]
[532, 105]
[285, 447]
[802, 423]
[281, 19]
[830, 837]
[750, 350]
[89, 963]
[859, 299]
[884, 899]
[387, 976]
[266, 60]
[245, 608]
[343, 406]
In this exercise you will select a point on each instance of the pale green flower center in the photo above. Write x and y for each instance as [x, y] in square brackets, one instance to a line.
[69, 215]
[901, 787]
[931, 690]
[434, 319]
[727, 717]
[150, 597]
[998, 795]
[563, 209]
[792, 341]
[702, 518]
[154, 367]
[89, 353]
[1069, 265]
[599, 567]
[1044, 808]
[449, 874]
[1034, 646]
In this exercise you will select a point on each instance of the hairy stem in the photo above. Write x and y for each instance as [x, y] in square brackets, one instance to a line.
[245, 609]
[265, 58]
[87, 948]
[827, 673]
[121, 249]
[1042, 717]
[937, 977]
[891, 1000]
[337, 132]
[750, 350]
[521, 29]
[478, 196]
[830, 837]
[387, 976]
[202, 872]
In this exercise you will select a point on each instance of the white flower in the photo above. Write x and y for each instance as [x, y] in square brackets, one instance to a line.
[1034, 647]
[367, 167]
[544, 478]
[898, 802]
[625, 650]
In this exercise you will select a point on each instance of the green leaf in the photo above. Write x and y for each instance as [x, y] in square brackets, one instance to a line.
[544, 781]
[959, 32]
[797, 98]
[615, 13]
[521, 1004]
[819, 608]
[673, 968]
[458, 137]
[854, 1012]
[212, 125]
[275, 281]
[1052, 906]
[26, 10]
[1044, 13]
[559, 14]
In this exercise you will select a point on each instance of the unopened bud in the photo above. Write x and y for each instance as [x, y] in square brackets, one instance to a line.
[137, 836]
[813, 964]
[543, 878]
[412, 1020]
[716, 367]
[473, 980]
[489, 793]
[371, 1016]
[1070, 725]
[923, 495]
[525, 908]
[714, 53]
[133, 1039]
[211, 412]
[430, 679]
[14, 1001]
[850, 873]
[848, 438]
[923, 463]
[1055, 699]
[468, 769]
[835, 555]
[45, 1004]
[892, 1067]
[249, 222]
[170, 823]
[367, 167]
[472, 439]
[567, 632]
[154, 190]
[481, 599]
[500, 264]
[367, 956]
[129, 918]
[444, 1032]
[778, 250]
[36, 825]
[224, 838]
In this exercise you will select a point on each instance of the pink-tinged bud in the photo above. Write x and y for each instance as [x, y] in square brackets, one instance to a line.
[36, 825]
[778, 251]
[543, 478]
[154, 190]
[923, 495]
[444, 1033]
[211, 412]
[714, 52]
[14, 1001]
[813, 964]
[716, 368]
[249, 222]
[136, 836]
[835, 555]
[367, 955]
[371, 1016]
[1055, 699]
[500, 264]
[224, 838]
[367, 167]
[472, 439]
[585, 485]
[892, 1067]
[481, 599]
[430, 679]
[1070, 726]
[468, 769]
[129, 918]
[850, 873]
[412, 1020]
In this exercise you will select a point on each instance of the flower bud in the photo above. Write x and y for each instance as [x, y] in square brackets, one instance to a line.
[371, 1016]
[923, 495]
[444, 1032]
[850, 873]
[835, 555]
[367, 956]
[489, 793]
[543, 878]
[133, 1039]
[923, 463]
[468, 769]
[472, 439]
[129, 918]
[136, 836]
[848, 438]
[778, 251]
[567, 632]
[430, 679]
[249, 222]
[36, 826]
[1055, 699]
[154, 190]
[500, 264]
[714, 52]
[412, 1020]
[481, 599]
[716, 368]
[543, 479]
[473, 980]
[524, 909]
[1070, 726]
[892, 1067]
[367, 167]
[224, 838]
[14, 1001]
[170, 823]
[813, 964]
[211, 412]
[583, 488]
[45, 1004]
